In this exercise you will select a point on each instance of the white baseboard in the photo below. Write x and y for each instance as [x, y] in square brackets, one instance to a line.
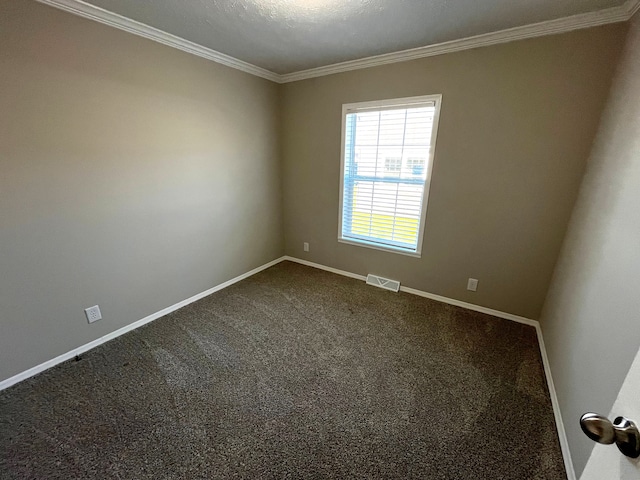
[562, 436]
[328, 269]
[420, 293]
[471, 306]
[496, 313]
[132, 326]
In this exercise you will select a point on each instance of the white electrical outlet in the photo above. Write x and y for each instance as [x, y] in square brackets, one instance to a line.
[472, 284]
[305, 245]
[93, 313]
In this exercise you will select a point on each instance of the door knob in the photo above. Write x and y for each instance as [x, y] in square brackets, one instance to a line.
[622, 431]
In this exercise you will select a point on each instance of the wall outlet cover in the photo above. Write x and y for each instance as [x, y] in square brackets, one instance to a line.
[93, 313]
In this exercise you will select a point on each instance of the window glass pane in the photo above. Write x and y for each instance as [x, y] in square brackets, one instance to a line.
[387, 154]
[392, 166]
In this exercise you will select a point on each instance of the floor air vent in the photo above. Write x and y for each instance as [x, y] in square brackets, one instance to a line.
[381, 282]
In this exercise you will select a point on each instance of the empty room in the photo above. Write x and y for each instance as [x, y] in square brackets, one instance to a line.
[270, 239]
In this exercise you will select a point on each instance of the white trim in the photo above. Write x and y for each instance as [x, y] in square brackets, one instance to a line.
[328, 269]
[132, 326]
[471, 306]
[575, 22]
[393, 103]
[375, 246]
[562, 436]
[633, 7]
[420, 293]
[550, 27]
[86, 10]
[564, 445]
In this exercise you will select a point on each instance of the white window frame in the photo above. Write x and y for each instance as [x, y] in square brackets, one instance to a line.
[387, 105]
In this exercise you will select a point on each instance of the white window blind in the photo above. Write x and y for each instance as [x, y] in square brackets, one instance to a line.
[386, 168]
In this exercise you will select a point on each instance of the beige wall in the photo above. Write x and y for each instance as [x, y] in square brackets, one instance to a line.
[591, 319]
[132, 176]
[516, 126]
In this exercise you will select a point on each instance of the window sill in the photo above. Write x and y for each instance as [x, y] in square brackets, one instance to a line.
[375, 246]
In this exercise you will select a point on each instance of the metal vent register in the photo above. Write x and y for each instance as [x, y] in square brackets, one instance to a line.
[382, 282]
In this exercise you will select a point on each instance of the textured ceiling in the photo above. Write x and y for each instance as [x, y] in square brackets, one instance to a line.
[286, 36]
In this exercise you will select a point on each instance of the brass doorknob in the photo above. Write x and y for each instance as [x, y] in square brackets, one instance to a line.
[622, 431]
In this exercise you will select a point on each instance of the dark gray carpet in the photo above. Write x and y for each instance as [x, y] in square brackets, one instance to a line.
[293, 373]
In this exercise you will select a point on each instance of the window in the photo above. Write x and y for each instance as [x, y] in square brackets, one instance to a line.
[387, 158]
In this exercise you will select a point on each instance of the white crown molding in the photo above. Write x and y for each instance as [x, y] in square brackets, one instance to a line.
[633, 7]
[551, 27]
[86, 10]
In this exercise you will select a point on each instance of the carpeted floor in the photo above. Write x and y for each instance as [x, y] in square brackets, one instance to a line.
[292, 373]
